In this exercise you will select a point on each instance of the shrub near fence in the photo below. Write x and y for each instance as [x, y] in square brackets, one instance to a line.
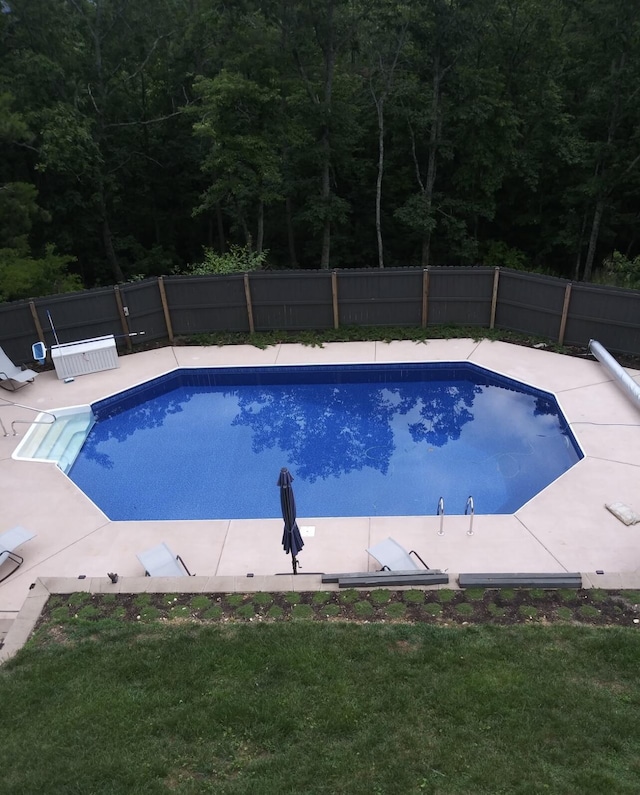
[543, 306]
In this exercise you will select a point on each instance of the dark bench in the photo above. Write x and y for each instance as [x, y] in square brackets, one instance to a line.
[518, 580]
[374, 579]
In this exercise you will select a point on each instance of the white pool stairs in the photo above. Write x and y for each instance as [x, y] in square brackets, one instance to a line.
[58, 441]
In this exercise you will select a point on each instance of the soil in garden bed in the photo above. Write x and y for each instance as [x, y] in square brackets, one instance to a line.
[441, 607]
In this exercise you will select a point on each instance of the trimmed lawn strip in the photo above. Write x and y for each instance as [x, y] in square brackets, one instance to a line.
[304, 706]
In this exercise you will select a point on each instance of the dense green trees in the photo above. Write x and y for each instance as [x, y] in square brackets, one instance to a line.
[330, 133]
[24, 270]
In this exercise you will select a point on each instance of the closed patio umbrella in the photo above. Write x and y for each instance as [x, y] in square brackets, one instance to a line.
[291, 539]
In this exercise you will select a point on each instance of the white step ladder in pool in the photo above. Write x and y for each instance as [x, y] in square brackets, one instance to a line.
[58, 441]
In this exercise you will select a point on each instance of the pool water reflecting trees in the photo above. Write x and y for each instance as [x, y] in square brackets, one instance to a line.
[361, 441]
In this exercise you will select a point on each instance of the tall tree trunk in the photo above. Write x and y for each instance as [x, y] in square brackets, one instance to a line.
[616, 67]
[260, 235]
[288, 212]
[326, 198]
[157, 226]
[222, 243]
[579, 253]
[379, 100]
[248, 238]
[291, 240]
[380, 109]
[593, 239]
[107, 237]
[434, 137]
[329, 67]
[632, 241]
[330, 47]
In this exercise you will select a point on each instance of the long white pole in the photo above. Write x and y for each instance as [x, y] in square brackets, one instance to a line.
[53, 328]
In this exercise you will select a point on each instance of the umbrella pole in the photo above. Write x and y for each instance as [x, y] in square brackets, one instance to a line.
[294, 563]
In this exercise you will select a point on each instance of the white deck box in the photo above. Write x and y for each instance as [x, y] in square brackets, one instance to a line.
[85, 356]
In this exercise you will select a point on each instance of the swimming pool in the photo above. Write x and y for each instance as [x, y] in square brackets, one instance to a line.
[360, 440]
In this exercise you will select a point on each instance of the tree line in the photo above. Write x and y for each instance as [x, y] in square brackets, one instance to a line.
[138, 136]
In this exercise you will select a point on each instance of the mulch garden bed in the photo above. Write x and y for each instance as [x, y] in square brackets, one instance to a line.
[439, 607]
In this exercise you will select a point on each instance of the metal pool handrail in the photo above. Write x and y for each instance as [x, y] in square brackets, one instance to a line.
[468, 506]
[29, 422]
[441, 515]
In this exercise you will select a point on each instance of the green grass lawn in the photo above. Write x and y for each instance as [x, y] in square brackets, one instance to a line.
[308, 707]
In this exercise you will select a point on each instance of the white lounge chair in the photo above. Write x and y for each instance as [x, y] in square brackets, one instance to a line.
[12, 377]
[393, 556]
[9, 540]
[161, 562]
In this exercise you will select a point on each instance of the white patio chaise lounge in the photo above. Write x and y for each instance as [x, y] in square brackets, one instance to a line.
[11, 376]
[392, 556]
[161, 562]
[9, 541]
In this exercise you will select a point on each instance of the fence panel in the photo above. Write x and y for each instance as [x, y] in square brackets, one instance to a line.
[291, 300]
[204, 304]
[77, 316]
[380, 297]
[17, 331]
[460, 296]
[530, 304]
[144, 304]
[608, 314]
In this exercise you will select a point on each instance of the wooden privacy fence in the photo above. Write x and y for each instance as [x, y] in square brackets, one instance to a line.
[561, 311]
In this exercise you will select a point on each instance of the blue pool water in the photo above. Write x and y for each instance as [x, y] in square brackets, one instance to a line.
[360, 440]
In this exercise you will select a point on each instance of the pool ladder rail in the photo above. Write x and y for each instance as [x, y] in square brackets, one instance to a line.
[14, 432]
[469, 510]
[441, 515]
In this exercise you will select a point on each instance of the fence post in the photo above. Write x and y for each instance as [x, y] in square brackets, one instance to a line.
[334, 299]
[565, 311]
[494, 297]
[165, 309]
[123, 317]
[247, 295]
[36, 321]
[425, 296]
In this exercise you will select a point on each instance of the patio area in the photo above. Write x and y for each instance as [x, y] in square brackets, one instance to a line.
[564, 528]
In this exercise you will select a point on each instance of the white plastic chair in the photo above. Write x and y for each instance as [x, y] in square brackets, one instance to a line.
[12, 377]
[161, 562]
[393, 556]
[9, 540]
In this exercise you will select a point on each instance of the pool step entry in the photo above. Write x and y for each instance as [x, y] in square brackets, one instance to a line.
[58, 441]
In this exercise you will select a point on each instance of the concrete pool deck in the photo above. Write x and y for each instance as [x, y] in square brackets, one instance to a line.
[566, 527]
